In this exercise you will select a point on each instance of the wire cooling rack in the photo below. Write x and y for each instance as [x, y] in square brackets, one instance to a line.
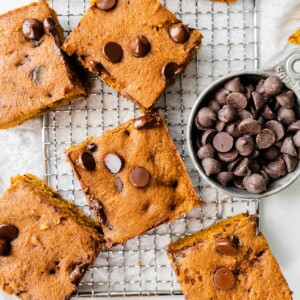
[140, 266]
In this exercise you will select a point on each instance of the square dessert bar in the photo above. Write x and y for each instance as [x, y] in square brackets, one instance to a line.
[230, 260]
[46, 243]
[35, 75]
[133, 177]
[137, 46]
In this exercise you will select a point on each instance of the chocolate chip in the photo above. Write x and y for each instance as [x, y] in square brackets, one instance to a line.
[288, 147]
[253, 112]
[277, 128]
[37, 75]
[139, 177]
[267, 113]
[91, 147]
[223, 279]
[228, 156]
[97, 207]
[254, 166]
[106, 4]
[49, 26]
[119, 185]
[179, 33]
[214, 105]
[260, 87]
[5, 247]
[113, 163]
[206, 151]
[140, 46]
[206, 117]
[294, 127]
[279, 143]
[76, 275]
[255, 183]
[234, 85]
[113, 52]
[272, 86]
[249, 127]
[276, 168]
[232, 165]
[243, 168]
[87, 161]
[223, 142]
[296, 139]
[210, 166]
[226, 246]
[171, 70]
[226, 114]
[97, 68]
[261, 121]
[265, 175]
[272, 153]
[245, 145]
[220, 125]
[237, 100]
[208, 136]
[291, 162]
[248, 91]
[286, 116]
[255, 154]
[225, 177]
[259, 101]
[149, 120]
[8, 232]
[33, 29]
[238, 183]
[265, 139]
[233, 129]
[244, 114]
[286, 99]
[221, 96]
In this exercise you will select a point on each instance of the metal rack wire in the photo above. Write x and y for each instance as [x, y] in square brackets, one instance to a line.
[140, 266]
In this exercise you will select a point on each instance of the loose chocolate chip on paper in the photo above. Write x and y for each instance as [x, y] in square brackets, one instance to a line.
[171, 70]
[223, 142]
[234, 85]
[106, 4]
[139, 177]
[87, 161]
[5, 247]
[179, 33]
[223, 279]
[33, 29]
[225, 177]
[140, 46]
[226, 246]
[8, 232]
[113, 52]
[113, 163]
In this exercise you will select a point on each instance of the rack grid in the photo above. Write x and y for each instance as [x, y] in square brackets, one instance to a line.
[140, 266]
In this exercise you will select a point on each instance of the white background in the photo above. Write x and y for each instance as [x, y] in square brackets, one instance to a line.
[21, 149]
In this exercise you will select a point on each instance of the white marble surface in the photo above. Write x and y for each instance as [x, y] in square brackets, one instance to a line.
[21, 149]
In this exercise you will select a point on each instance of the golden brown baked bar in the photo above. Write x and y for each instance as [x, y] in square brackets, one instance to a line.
[136, 47]
[230, 260]
[133, 177]
[295, 37]
[35, 75]
[228, 1]
[46, 243]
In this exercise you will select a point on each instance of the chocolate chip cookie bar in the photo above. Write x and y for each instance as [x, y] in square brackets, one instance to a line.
[46, 243]
[230, 260]
[137, 47]
[133, 177]
[35, 75]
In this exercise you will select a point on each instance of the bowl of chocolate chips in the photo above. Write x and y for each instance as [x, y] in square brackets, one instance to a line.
[244, 134]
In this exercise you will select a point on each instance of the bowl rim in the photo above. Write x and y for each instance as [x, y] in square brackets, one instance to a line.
[234, 192]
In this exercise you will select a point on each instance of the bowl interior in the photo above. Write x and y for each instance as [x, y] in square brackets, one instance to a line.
[246, 77]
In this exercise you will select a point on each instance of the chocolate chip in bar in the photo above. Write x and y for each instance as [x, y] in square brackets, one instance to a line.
[147, 121]
[113, 163]
[237, 100]
[91, 147]
[119, 185]
[139, 177]
[76, 275]
[86, 161]
[179, 33]
[226, 246]
[255, 183]
[106, 4]
[265, 139]
[234, 85]
[8, 232]
[113, 52]
[5, 247]
[210, 166]
[224, 279]
[225, 177]
[49, 26]
[33, 29]
[171, 70]
[140, 46]
[223, 142]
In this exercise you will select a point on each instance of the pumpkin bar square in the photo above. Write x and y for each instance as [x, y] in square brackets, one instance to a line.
[137, 47]
[133, 177]
[35, 75]
[230, 260]
[46, 243]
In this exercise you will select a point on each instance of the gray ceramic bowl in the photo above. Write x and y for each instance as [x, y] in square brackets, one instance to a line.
[287, 70]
